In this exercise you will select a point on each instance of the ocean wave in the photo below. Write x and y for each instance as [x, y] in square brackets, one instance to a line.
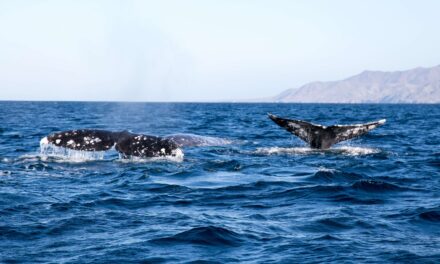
[166, 188]
[208, 236]
[68, 225]
[353, 199]
[434, 162]
[375, 186]
[254, 186]
[331, 175]
[328, 237]
[332, 225]
[431, 216]
[420, 216]
[228, 165]
[10, 232]
[304, 192]
[335, 223]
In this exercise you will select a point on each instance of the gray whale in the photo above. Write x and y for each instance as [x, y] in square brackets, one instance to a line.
[127, 143]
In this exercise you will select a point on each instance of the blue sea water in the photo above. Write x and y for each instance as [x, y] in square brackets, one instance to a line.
[264, 198]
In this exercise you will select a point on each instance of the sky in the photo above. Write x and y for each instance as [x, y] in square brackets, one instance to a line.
[188, 50]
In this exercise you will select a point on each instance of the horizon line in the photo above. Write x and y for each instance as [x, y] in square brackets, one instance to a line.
[210, 102]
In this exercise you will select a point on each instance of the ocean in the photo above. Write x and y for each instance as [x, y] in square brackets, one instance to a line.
[264, 198]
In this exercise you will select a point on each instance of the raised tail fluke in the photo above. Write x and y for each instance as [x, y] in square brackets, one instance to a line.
[323, 137]
[345, 132]
[303, 130]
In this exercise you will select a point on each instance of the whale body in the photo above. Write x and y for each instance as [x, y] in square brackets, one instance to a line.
[323, 137]
[127, 143]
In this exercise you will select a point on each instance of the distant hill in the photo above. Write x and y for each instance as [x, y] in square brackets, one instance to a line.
[419, 85]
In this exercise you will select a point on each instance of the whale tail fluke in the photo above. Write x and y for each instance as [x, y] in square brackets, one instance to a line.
[345, 132]
[299, 128]
[323, 137]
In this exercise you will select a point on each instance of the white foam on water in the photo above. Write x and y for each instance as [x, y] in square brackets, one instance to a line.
[281, 150]
[324, 169]
[197, 140]
[5, 173]
[356, 151]
[60, 154]
[344, 150]
[213, 141]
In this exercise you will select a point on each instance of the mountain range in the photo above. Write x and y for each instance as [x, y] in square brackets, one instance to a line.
[419, 85]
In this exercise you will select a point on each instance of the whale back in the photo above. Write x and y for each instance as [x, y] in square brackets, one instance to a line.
[129, 144]
[126, 143]
[83, 139]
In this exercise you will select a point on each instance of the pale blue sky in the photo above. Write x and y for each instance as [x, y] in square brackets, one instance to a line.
[204, 50]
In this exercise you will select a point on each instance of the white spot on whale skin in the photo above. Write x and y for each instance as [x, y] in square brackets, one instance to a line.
[58, 141]
[44, 141]
[382, 121]
[71, 142]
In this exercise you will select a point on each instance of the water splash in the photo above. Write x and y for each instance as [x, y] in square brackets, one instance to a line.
[191, 140]
[356, 151]
[344, 150]
[59, 154]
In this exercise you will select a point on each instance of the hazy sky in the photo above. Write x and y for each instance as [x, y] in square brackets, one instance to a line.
[204, 50]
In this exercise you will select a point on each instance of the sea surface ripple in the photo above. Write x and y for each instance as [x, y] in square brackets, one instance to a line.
[264, 198]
